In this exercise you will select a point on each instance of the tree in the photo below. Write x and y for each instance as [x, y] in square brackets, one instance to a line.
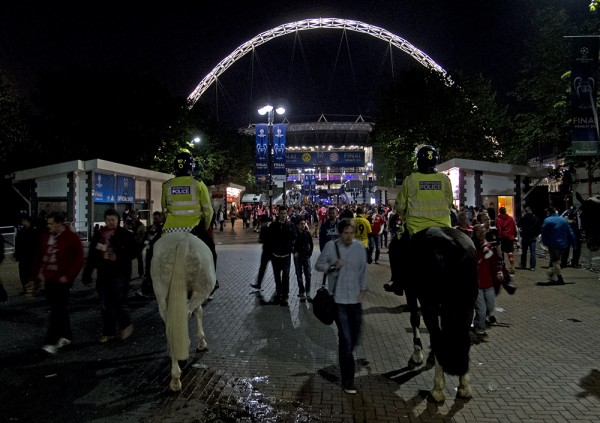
[13, 126]
[541, 112]
[461, 119]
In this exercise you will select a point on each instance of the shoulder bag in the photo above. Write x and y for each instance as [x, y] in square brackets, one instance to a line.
[323, 302]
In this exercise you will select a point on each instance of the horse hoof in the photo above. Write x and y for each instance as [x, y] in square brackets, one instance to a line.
[175, 385]
[437, 396]
[464, 393]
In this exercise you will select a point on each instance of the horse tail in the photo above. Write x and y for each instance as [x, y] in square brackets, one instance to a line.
[178, 337]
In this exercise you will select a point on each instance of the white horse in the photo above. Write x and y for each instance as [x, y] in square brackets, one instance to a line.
[181, 264]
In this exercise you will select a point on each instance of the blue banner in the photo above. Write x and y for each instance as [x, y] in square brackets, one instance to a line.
[584, 77]
[104, 188]
[125, 189]
[279, 149]
[262, 153]
[348, 158]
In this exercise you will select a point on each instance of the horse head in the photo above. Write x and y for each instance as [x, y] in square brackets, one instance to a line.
[590, 220]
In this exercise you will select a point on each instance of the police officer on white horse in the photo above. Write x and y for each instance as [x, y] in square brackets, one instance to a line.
[186, 203]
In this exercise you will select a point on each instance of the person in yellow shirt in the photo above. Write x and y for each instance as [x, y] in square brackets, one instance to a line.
[363, 229]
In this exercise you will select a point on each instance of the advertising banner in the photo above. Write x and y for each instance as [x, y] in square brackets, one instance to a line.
[262, 153]
[125, 189]
[348, 158]
[279, 149]
[104, 188]
[584, 77]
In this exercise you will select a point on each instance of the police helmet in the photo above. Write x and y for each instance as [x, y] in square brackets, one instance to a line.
[183, 164]
[427, 159]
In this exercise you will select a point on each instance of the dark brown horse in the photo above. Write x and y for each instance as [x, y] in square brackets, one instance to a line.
[438, 268]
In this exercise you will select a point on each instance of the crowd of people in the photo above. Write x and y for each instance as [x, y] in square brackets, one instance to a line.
[350, 239]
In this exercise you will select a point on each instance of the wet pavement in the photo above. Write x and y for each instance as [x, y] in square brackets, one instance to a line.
[268, 363]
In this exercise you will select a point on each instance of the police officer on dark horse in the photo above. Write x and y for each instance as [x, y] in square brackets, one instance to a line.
[433, 263]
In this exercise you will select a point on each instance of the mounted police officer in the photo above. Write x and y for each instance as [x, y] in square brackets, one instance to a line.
[425, 200]
[186, 203]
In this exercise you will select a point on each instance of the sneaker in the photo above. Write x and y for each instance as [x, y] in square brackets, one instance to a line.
[105, 338]
[376, 261]
[255, 286]
[63, 342]
[283, 302]
[126, 333]
[480, 332]
[532, 269]
[560, 281]
[349, 390]
[50, 349]
[308, 299]
[493, 321]
[301, 295]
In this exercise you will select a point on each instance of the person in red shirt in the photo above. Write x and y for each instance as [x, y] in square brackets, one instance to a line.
[489, 273]
[58, 262]
[507, 234]
[377, 222]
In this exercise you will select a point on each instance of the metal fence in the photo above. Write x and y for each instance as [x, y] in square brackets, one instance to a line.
[9, 234]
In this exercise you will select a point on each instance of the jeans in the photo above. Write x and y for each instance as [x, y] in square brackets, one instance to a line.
[348, 321]
[528, 245]
[265, 257]
[113, 304]
[302, 265]
[384, 239]
[484, 306]
[59, 325]
[374, 241]
[281, 272]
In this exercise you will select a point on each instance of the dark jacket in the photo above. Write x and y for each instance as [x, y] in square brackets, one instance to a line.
[122, 242]
[303, 244]
[530, 226]
[328, 232]
[280, 238]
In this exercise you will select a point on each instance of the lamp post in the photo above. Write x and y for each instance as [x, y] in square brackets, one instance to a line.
[270, 111]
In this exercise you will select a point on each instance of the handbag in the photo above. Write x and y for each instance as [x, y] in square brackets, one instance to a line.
[324, 307]
[507, 280]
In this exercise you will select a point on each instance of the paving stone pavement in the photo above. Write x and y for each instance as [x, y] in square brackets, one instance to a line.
[268, 363]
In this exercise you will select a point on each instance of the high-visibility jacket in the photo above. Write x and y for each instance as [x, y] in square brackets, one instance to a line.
[363, 229]
[425, 200]
[185, 202]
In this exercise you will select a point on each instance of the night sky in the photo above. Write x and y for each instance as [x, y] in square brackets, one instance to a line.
[180, 42]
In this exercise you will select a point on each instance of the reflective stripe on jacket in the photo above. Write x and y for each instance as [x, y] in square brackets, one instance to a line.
[185, 202]
[425, 200]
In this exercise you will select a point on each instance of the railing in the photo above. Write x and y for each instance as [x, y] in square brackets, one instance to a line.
[9, 233]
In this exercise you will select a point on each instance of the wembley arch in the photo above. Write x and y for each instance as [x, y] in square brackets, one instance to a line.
[311, 24]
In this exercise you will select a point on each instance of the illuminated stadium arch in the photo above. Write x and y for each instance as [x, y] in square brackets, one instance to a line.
[308, 24]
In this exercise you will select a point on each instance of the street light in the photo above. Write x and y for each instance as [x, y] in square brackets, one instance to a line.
[270, 111]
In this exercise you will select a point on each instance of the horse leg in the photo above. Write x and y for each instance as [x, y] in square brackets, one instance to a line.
[175, 384]
[464, 386]
[202, 345]
[416, 359]
[439, 383]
